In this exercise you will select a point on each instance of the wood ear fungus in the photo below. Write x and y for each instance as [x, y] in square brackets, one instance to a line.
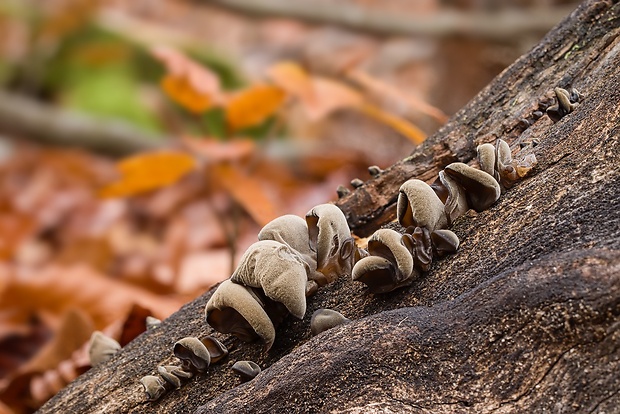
[324, 319]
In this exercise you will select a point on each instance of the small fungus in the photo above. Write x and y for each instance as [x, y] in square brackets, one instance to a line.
[389, 266]
[564, 104]
[153, 387]
[419, 205]
[217, 350]
[482, 189]
[247, 370]
[356, 183]
[235, 309]
[169, 374]
[152, 323]
[342, 191]
[101, 348]
[193, 353]
[331, 240]
[324, 319]
[419, 244]
[444, 242]
[374, 171]
[456, 201]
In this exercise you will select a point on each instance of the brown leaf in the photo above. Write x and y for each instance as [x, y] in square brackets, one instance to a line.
[252, 106]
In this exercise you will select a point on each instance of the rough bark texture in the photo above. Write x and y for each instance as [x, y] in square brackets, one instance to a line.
[524, 318]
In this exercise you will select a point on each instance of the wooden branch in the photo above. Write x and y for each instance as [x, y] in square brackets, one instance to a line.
[525, 314]
[52, 126]
[504, 26]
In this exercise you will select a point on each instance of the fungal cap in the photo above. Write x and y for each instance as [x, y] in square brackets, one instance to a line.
[234, 309]
[418, 243]
[386, 243]
[195, 352]
[217, 350]
[330, 239]
[378, 274]
[481, 188]
[278, 271]
[324, 319]
[444, 242]
[486, 158]
[153, 387]
[419, 206]
[456, 202]
[247, 370]
[167, 373]
[101, 348]
[152, 323]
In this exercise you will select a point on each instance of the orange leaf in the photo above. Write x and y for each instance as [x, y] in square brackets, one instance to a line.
[253, 105]
[189, 84]
[409, 130]
[330, 96]
[214, 150]
[247, 191]
[293, 79]
[150, 171]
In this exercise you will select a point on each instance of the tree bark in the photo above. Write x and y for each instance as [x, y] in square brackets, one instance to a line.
[525, 317]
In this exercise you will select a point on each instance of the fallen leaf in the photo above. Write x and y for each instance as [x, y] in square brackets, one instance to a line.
[149, 171]
[217, 151]
[189, 84]
[248, 191]
[330, 96]
[409, 130]
[291, 77]
[252, 106]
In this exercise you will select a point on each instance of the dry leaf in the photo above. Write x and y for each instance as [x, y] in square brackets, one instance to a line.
[412, 132]
[291, 77]
[189, 84]
[253, 106]
[248, 191]
[330, 96]
[216, 151]
[149, 171]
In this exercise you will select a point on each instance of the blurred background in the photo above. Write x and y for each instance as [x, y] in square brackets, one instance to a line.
[143, 143]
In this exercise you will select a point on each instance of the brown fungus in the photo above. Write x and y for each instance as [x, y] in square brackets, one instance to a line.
[151, 323]
[278, 271]
[217, 350]
[193, 353]
[235, 309]
[374, 171]
[101, 348]
[456, 200]
[324, 319]
[444, 242]
[342, 191]
[419, 206]
[564, 104]
[482, 189]
[153, 387]
[389, 266]
[331, 240]
[419, 245]
[246, 370]
[168, 373]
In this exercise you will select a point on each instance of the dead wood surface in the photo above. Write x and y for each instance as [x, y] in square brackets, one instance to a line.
[524, 318]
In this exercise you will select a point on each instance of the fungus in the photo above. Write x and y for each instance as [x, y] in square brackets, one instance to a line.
[389, 266]
[234, 309]
[331, 240]
[292, 231]
[565, 104]
[153, 387]
[419, 206]
[324, 319]
[419, 245]
[456, 200]
[247, 370]
[193, 353]
[173, 374]
[217, 350]
[374, 171]
[101, 348]
[482, 189]
[278, 271]
[342, 191]
[152, 323]
[444, 242]
[356, 183]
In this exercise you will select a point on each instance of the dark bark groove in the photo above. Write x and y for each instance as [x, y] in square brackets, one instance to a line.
[524, 318]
